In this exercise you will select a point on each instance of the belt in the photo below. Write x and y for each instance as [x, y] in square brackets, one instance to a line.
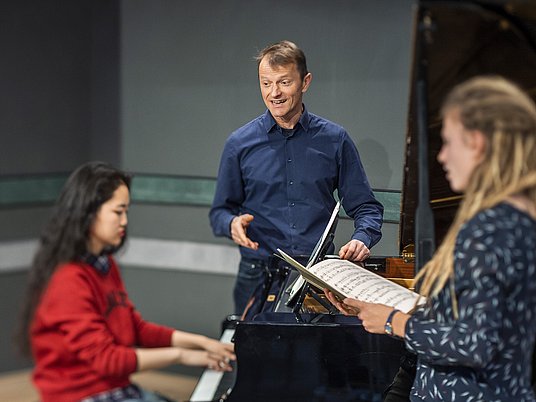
[273, 261]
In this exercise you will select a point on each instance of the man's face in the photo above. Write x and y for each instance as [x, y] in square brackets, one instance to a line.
[282, 90]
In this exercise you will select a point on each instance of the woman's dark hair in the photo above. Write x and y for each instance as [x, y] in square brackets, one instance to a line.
[65, 237]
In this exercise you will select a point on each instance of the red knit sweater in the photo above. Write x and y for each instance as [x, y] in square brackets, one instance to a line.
[84, 333]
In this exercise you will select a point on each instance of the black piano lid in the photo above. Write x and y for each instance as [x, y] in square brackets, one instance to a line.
[467, 38]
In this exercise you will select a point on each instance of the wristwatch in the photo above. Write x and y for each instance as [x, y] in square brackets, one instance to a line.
[388, 324]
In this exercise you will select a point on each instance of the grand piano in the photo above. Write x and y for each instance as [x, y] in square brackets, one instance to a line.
[315, 354]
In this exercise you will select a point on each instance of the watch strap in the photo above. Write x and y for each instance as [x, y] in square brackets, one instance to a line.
[389, 322]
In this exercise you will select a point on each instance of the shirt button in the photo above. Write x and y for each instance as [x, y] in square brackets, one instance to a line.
[291, 182]
[292, 204]
[289, 160]
[293, 226]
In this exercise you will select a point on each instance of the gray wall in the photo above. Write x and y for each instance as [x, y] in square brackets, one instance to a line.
[189, 80]
[59, 74]
[59, 79]
[156, 86]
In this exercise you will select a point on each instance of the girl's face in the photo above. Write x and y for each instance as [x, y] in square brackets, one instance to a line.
[461, 152]
[109, 226]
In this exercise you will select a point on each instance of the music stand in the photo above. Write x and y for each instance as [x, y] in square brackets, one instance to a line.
[302, 288]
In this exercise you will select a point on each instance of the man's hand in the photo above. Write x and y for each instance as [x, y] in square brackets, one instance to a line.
[239, 226]
[354, 250]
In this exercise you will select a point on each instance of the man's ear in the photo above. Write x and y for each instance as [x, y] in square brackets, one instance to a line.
[306, 82]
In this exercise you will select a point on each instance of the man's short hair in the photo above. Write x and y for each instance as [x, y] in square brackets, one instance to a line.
[284, 53]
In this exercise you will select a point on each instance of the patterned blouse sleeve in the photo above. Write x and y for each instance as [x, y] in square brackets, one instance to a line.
[472, 339]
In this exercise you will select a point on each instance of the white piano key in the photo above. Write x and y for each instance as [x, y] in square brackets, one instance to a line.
[210, 379]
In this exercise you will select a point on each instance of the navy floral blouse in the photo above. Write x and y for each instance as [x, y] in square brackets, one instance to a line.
[486, 354]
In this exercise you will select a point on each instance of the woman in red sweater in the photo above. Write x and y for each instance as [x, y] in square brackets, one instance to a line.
[83, 331]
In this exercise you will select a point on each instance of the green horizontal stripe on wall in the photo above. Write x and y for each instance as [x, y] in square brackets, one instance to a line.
[31, 190]
[171, 190]
[391, 204]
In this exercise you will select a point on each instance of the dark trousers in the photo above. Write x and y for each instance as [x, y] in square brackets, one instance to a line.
[400, 388]
[251, 273]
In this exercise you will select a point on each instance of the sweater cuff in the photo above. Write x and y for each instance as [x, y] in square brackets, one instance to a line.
[409, 332]
[131, 364]
[155, 336]
[164, 337]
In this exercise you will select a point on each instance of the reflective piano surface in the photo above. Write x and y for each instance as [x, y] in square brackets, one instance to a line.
[312, 362]
[304, 362]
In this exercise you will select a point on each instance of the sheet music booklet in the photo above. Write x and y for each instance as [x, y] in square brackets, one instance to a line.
[348, 279]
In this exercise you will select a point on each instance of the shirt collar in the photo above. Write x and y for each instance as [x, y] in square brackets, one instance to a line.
[100, 262]
[270, 123]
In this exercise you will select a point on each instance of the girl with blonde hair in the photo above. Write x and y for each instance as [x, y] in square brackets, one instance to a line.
[474, 337]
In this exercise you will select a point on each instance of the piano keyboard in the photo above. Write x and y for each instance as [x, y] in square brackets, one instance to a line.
[213, 384]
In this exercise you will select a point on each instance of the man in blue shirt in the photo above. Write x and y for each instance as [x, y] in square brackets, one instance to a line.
[279, 172]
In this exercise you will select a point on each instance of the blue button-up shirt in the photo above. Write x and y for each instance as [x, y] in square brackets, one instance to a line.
[287, 182]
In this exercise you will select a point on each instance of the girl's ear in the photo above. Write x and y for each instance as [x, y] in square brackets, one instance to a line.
[478, 142]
